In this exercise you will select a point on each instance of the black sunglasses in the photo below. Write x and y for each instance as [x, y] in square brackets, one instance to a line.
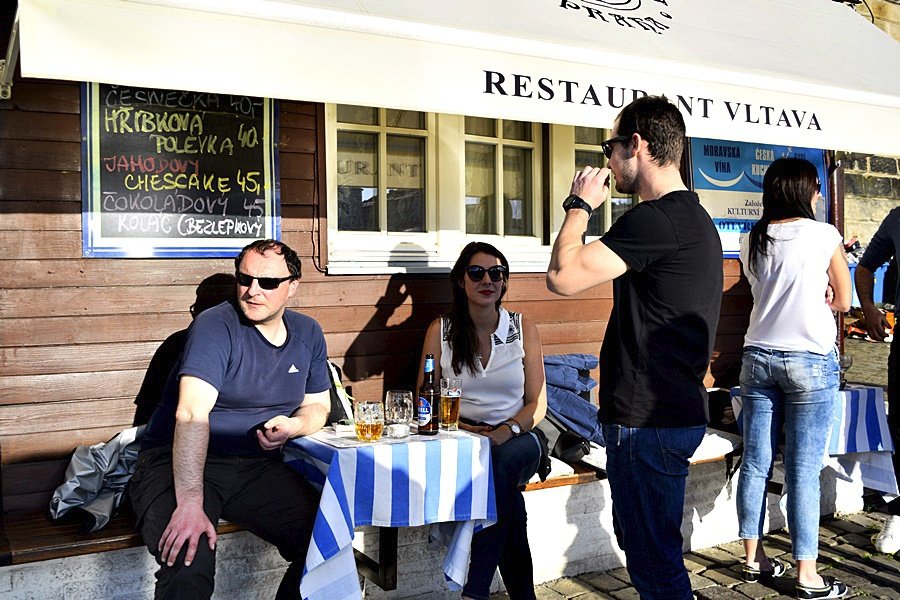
[496, 273]
[606, 146]
[266, 283]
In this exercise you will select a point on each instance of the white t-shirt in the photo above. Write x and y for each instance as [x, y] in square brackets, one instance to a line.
[496, 392]
[788, 285]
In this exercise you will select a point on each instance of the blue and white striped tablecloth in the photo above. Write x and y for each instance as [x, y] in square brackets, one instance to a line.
[416, 482]
[860, 442]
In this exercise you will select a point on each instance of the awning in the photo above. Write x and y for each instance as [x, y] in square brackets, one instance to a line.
[809, 73]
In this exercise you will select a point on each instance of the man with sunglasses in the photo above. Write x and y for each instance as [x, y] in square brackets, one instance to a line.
[664, 258]
[252, 376]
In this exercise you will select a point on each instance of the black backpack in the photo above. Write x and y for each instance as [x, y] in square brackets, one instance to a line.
[562, 443]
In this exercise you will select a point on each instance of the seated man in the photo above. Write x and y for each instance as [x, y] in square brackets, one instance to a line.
[252, 376]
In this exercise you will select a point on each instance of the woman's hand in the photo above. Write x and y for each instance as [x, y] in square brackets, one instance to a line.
[500, 435]
[480, 429]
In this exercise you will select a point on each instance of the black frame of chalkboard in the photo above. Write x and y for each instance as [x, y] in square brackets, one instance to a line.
[190, 195]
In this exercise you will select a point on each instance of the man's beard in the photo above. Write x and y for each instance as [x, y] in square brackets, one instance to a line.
[626, 180]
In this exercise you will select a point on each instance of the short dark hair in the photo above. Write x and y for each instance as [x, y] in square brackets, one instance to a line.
[262, 246]
[658, 121]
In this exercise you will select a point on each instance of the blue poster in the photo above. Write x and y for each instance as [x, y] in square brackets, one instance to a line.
[728, 176]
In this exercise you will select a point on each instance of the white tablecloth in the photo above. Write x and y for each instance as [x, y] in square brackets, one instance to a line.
[860, 446]
[419, 481]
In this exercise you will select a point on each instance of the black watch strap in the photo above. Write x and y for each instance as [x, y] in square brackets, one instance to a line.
[574, 201]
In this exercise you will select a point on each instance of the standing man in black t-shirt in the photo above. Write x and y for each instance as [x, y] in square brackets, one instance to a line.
[665, 260]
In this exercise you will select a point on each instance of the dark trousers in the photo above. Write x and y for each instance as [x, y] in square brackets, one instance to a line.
[647, 469]
[505, 544]
[264, 495]
[893, 507]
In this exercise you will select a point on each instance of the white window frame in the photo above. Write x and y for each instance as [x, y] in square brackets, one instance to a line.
[435, 250]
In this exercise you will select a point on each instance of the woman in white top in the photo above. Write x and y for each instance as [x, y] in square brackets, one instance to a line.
[498, 357]
[798, 275]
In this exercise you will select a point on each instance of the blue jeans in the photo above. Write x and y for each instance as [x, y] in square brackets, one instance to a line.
[798, 390]
[505, 544]
[647, 469]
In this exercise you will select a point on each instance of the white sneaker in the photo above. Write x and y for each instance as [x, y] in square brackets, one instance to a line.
[888, 541]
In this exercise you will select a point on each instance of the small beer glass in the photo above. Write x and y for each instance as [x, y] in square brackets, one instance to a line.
[368, 416]
[398, 412]
[451, 391]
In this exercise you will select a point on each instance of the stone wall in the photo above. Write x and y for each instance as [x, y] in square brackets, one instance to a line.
[871, 190]
[871, 183]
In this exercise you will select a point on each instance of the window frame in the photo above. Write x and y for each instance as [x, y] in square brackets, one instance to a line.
[436, 249]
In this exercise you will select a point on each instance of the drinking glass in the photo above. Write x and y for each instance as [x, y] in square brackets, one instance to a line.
[369, 420]
[451, 391]
[398, 412]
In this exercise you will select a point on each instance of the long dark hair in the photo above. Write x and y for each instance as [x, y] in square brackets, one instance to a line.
[462, 337]
[788, 188]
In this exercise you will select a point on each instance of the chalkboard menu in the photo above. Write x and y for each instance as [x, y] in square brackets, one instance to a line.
[176, 173]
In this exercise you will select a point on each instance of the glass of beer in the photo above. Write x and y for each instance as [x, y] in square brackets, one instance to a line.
[398, 412]
[368, 417]
[451, 390]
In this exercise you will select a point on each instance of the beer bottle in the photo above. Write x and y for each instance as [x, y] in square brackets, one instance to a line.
[429, 396]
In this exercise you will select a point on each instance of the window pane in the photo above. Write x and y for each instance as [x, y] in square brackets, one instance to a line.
[584, 158]
[363, 115]
[481, 188]
[517, 205]
[620, 206]
[408, 119]
[481, 126]
[588, 135]
[517, 130]
[357, 173]
[405, 183]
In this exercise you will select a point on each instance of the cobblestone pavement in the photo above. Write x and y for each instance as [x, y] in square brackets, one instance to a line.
[845, 543]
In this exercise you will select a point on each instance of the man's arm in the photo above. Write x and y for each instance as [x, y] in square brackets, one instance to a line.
[196, 399]
[876, 322]
[574, 266]
[309, 418]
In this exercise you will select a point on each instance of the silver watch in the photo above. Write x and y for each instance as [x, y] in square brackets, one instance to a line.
[514, 427]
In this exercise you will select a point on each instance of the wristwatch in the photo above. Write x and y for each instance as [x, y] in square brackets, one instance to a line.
[514, 427]
[574, 201]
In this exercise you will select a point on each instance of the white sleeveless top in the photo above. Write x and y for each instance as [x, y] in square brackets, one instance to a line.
[789, 311]
[496, 392]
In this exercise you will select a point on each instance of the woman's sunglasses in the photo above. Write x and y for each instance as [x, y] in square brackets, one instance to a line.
[266, 283]
[496, 273]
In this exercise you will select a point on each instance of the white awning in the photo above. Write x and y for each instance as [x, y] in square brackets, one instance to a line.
[809, 73]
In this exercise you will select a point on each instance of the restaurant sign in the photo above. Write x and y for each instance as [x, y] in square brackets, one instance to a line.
[728, 176]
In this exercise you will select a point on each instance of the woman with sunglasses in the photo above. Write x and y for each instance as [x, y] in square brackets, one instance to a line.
[798, 275]
[498, 357]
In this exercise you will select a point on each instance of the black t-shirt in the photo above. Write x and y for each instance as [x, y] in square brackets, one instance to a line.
[666, 309]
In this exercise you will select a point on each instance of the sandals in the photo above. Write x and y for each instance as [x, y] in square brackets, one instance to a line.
[751, 574]
[832, 589]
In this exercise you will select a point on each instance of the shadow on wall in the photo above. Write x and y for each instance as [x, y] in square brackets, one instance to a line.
[390, 342]
[212, 291]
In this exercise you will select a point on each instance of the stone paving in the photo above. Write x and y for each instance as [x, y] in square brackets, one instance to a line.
[845, 543]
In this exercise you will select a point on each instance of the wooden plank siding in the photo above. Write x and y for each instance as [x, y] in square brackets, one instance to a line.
[77, 334]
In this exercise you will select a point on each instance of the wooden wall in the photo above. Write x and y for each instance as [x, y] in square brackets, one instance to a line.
[76, 335]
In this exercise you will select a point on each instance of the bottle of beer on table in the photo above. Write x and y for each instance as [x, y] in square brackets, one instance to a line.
[429, 396]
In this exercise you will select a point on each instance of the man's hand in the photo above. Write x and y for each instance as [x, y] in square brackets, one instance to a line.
[591, 185]
[276, 432]
[187, 524]
[876, 322]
